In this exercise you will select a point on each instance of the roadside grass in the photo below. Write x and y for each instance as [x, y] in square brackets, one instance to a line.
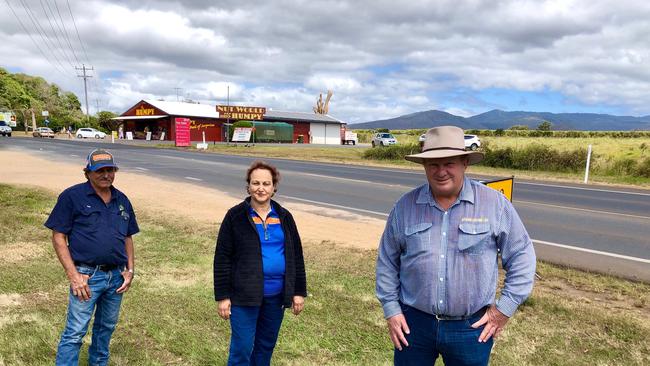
[169, 318]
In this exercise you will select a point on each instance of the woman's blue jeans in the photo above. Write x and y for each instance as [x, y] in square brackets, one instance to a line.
[254, 332]
[105, 303]
[455, 340]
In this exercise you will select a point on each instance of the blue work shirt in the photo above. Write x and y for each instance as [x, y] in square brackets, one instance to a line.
[96, 231]
[445, 262]
[272, 245]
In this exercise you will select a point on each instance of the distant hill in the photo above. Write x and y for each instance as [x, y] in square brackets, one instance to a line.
[501, 119]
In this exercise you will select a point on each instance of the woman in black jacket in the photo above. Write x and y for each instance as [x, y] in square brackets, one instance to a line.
[258, 269]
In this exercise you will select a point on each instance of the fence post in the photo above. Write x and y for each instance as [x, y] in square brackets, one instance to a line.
[588, 161]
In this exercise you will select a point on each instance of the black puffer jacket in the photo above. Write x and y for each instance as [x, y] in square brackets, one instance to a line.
[238, 273]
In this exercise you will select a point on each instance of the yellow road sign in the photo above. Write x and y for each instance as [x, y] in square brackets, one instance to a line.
[504, 186]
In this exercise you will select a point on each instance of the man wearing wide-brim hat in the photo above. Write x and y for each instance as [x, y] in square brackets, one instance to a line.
[437, 265]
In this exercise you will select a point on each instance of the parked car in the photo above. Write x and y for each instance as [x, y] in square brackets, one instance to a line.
[5, 130]
[88, 132]
[43, 132]
[472, 142]
[383, 139]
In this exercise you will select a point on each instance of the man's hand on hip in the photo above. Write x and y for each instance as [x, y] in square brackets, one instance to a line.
[397, 328]
[79, 286]
[128, 277]
[494, 321]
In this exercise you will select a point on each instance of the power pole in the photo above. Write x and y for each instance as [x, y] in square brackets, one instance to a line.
[84, 68]
[177, 90]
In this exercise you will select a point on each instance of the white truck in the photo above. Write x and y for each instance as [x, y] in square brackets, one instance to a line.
[348, 137]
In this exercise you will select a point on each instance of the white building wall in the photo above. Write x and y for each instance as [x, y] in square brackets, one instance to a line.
[325, 133]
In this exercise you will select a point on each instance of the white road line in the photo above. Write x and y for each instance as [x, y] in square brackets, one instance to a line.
[635, 259]
[583, 188]
[74, 155]
[349, 179]
[337, 206]
[140, 168]
[582, 209]
[195, 179]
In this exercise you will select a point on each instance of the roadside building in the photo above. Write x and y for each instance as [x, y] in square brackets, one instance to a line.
[159, 117]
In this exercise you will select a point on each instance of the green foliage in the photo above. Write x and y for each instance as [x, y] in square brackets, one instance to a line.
[499, 132]
[393, 152]
[518, 128]
[536, 157]
[544, 126]
[20, 93]
[383, 130]
[104, 119]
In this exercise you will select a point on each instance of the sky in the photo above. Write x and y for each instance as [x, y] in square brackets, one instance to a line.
[381, 59]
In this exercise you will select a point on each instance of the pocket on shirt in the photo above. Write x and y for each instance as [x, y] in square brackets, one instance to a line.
[89, 218]
[417, 236]
[473, 237]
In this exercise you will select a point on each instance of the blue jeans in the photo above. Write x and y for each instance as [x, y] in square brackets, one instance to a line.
[105, 303]
[455, 340]
[254, 331]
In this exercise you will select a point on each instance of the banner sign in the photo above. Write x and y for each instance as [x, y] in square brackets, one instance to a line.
[182, 131]
[504, 186]
[241, 113]
[242, 134]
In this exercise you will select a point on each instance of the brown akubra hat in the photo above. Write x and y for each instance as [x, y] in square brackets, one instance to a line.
[444, 142]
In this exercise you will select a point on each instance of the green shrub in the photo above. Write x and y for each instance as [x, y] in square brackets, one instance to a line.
[393, 152]
[535, 157]
[643, 168]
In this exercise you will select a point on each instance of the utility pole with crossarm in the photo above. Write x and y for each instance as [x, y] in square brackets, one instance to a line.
[84, 68]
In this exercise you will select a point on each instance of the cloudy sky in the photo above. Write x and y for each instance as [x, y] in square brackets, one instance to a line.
[381, 58]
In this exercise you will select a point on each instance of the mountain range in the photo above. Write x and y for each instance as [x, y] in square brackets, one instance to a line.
[495, 119]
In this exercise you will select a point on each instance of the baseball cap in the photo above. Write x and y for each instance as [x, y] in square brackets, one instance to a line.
[99, 158]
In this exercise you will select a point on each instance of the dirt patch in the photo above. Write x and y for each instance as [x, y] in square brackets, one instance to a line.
[7, 300]
[19, 252]
[185, 199]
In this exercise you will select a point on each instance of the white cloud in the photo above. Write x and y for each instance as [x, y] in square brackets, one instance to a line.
[380, 58]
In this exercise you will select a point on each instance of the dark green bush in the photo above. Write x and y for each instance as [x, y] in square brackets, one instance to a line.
[535, 157]
[393, 152]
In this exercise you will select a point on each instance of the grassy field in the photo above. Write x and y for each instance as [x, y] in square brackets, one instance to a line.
[169, 318]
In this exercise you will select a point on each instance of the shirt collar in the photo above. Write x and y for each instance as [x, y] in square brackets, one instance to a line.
[271, 213]
[426, 198]
[89, 190]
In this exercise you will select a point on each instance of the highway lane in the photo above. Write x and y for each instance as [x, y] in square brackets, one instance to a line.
[595, 218]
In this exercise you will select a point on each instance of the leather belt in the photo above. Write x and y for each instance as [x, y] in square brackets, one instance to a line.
[101, 267]
[462, 317]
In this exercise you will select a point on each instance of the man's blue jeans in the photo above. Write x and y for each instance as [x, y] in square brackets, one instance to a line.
[105, 303]
[455, 340]
[254, 331]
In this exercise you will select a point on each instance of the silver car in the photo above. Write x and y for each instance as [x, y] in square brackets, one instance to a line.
[383, 139]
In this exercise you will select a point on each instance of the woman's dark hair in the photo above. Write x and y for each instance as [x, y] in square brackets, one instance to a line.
[258, 164]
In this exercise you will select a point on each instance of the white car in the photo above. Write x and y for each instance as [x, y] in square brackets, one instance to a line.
[472, 142]
[88, 132]
[383, 139]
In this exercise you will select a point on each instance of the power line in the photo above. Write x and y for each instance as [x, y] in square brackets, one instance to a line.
[41, 32]
[67, 36]
[56, 34]
[77, 30]
[33, 40]
[84, 69]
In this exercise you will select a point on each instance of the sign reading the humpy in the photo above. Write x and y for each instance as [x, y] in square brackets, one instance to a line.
[504, 186]
[240, 113]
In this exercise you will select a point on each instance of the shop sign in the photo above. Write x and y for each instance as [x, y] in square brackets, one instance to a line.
[242, 134]
[182, 131]
[142, 111]
[240, 112]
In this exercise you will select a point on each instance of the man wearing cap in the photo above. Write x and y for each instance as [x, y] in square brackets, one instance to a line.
[437, 268]
[92, 224]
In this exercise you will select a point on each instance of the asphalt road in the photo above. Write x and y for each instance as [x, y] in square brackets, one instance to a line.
[591, 227]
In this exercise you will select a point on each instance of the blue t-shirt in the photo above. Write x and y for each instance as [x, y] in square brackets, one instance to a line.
[96, 231]
[272, 240]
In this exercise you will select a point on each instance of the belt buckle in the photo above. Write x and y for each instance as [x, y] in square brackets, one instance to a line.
[440, 317]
